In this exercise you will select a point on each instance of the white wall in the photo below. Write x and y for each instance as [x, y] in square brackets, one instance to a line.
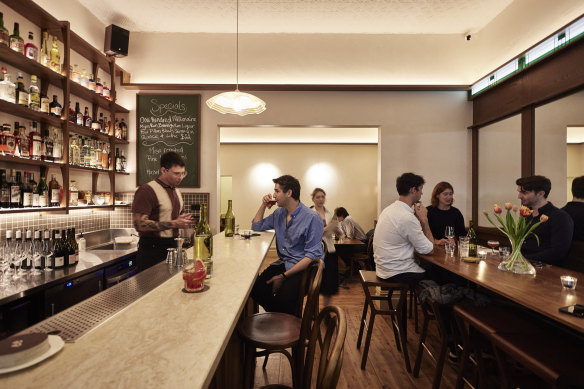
[347, 173]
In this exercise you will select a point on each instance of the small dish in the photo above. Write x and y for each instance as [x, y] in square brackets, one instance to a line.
[56, 344]
[471, 259]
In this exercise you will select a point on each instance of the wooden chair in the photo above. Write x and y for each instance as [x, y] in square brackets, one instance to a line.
[365, 257]
[276, 331]
[397, 313]
[328, 333]
[575, 260]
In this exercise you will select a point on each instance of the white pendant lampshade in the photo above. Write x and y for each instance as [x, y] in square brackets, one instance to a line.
[236, 102]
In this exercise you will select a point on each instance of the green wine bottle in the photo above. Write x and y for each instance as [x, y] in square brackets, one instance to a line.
[472, 241]
[204, 241]
[229, 221]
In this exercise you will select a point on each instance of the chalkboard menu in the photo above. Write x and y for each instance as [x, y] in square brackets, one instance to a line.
[168, 123]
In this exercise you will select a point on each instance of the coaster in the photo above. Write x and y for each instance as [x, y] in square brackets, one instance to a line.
[471, 259]
[205, 288]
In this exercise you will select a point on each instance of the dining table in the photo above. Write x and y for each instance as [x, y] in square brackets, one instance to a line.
[350, 249]
[542, 293]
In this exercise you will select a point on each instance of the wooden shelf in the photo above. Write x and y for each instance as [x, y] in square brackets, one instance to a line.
[23, 112]
[86, 94]
[28, 161]
[104, 206]
[87, 132]
[123, 173]
[27, 65]
[121, 141]
[37, 16]
[90, 169]
[89, 52]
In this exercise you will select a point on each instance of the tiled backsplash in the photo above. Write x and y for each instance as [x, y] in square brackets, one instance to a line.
[86, 220]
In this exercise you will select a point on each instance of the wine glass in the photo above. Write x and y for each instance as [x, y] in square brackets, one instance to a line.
[35, 256]
[16, 260]
[449, 232]
[493, 244]
[4, 265]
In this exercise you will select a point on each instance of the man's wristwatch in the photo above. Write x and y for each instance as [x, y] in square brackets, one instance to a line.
[284, 278]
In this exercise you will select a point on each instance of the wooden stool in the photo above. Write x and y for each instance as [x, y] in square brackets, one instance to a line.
[398, 314]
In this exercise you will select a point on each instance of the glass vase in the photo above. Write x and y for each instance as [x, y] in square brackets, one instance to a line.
[516, 263]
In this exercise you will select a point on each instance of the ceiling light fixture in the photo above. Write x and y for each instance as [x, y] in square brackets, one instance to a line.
[236, 102]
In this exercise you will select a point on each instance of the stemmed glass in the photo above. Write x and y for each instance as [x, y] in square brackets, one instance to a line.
[493, 244]
[4, 265]
[449, 232]
[16, 259]
[34, 251]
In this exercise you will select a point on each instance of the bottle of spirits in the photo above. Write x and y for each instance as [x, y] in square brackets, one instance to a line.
[34, 141]
[204, 242]
[45, 56]
[101, 123]
[78, 115]
[75, 153]
[26, 191]
[106, 91]
[84, 79]
[73, 248]
[9, 142]
[55, 61]
[24, 142]
[75, 74]
[117, 130]
[14, 189]
[472, 241]
[54, 192]
[57, 144]
[99, 87]
[229, 220]
[30, 49]
[98, 152]
[4, 190]
[124, 129]
[33, 187]
[42, 191]
[105, 156]
[73, 194]
[55, 108]
[91, 83]
[95, 126]
[86, 118]
[123, 162]
[48, 142]
[118, 161]
[44, 103]
[86, 153]
[4, 34]
[7, 87]
[93, 153]
[16, 41]
[34, 95]
[59, 250]
[21, 93]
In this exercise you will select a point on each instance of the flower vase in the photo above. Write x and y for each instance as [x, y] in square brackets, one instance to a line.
[516, 263]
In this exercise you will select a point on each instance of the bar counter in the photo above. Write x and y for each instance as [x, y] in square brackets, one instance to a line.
[166, 339]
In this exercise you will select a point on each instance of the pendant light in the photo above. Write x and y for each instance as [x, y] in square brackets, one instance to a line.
[236, 102]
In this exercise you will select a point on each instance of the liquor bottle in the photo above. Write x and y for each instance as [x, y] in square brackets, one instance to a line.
[124, 129]
[4, 190]
[27, 260]
[91, 83]
[105, 156]
[57, 137]
[73, 248]
[9, 142]
[45, 57]
[34, 95]
[24, 142]
[73, 194]
[95, 126]
[204, 242]
[123, 162]
[48, 256]
[84, 79]
[229, 220]
[34, 141]
[15, 189]
[42, 190]
[75, 74]
[86, 153]
[4, 34]
[16, 41]
[48, 142]
[118, 161]
[99, 87]
[98, 152]
[33, 187]
[55, 61]
[101, 123]
[54, 192]
[21, 93]
[26, 192]
[16, 139]
[30, 49]
[7, 87]
[117, 130]
[472, 241]
[55, 108]
[44, 103]
[59, 250]
[38, 248]
[106, 91]
[78, 115]
[93, 153]
[86, 118]
[75, 154]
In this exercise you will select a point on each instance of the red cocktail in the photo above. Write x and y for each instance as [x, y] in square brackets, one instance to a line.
[194, 276]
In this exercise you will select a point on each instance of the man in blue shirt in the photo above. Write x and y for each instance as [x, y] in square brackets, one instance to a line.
[299, 232]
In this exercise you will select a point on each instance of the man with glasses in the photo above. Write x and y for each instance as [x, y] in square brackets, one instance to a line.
[158, 211]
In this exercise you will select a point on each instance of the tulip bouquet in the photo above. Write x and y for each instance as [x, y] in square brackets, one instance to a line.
[517, 229]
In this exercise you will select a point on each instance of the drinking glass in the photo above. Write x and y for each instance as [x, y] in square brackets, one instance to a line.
[35, 255]
[504, 252]
[493, 244]
[463, 246]
[16, 260]
[449, 232]
[4, 265]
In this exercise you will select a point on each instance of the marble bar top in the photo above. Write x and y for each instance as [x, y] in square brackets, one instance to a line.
[166, 339]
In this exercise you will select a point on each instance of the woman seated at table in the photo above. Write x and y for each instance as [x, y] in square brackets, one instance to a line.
[441, 213]
[330, 277]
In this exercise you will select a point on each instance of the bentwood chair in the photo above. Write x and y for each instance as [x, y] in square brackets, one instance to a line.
[275, 332]
[326, 344]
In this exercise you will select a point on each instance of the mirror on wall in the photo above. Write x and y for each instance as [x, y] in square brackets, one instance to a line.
[555, 158]
[499, 165]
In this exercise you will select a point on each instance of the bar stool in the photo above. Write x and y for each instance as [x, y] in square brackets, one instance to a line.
[398, 318]
[275, 332]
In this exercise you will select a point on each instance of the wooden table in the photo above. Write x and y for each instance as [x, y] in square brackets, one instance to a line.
[542, 293]
[348, 242]
[345, 248]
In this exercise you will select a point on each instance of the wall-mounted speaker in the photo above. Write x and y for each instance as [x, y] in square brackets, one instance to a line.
[116, 41]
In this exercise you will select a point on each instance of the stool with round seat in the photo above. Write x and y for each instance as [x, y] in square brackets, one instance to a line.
[277, 331]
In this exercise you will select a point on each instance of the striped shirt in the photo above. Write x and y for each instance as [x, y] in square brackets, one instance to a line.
[161, 202]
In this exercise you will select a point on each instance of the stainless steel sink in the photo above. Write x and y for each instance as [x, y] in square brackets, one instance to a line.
[105, 239]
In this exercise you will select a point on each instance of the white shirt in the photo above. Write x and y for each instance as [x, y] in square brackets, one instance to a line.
[397, 235]
[351, 229]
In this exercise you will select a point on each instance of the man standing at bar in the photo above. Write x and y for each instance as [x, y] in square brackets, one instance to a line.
[157, 211]
[575, 208]
[299, 232]
[555, 235]
[402, 228]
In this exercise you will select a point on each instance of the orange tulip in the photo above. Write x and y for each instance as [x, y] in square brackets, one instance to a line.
[543, 218]
[508, 206]
[524, 211]
[497, 209]
[485, 212]
[515, 208]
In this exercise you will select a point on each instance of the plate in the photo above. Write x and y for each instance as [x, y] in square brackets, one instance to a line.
[471, 259]
[56, 343]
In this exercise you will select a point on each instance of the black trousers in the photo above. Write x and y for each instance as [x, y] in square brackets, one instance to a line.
[152, 250]
[285, 299]
[407, 278]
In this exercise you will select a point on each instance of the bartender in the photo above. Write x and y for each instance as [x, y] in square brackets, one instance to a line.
[158, 211]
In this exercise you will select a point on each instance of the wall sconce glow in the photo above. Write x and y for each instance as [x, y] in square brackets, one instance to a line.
[320, 175]
[261, 176]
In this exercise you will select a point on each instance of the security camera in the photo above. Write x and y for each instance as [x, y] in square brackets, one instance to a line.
[468, 37]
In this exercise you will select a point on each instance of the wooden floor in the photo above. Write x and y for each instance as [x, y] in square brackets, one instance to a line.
[385, 365]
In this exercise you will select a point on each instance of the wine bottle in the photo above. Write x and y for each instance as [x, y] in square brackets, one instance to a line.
[472, 241]
[16, 42]
[118, 161]
[4, 35]
[59, 251]
[123, 162]
[42, 191]
[204, 241]
[229, 220]
[33, 187]
[14, 189]
[4, 191]
[54, 191]
[73, 248]
[26, 192]
[124, 129]
[65, 245]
